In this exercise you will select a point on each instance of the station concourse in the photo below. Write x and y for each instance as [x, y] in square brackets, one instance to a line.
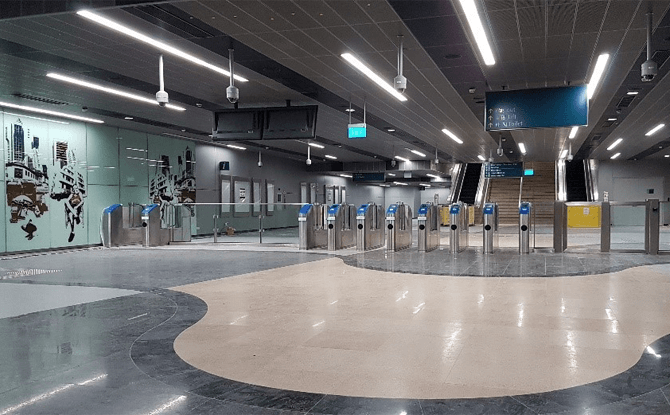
[335, 207]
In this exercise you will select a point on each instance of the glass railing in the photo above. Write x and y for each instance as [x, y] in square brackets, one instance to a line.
[664, 226]
[627, 230]
[268, 223]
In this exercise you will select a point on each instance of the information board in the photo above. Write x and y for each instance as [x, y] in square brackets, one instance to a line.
[368, 177]
[503, 170]
[536, 108]
[357, 130]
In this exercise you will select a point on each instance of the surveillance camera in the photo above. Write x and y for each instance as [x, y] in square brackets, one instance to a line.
[400, 83]
[308, 162]
[233, 94]
[392, 163]
[500, 152]
[649, 70]
[570, 157]
[162, 98]
[260, 164]
[490, 159]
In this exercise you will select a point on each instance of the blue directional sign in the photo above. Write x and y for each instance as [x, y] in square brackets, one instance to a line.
[536, 108]
[368, 177]
[357, 130]
[503, 170]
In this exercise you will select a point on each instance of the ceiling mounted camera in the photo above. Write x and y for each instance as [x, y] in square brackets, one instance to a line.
[649, 67]
[161, 96]
[400, 82]
[232, 92]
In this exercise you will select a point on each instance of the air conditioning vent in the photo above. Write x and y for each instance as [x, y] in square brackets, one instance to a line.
[625, 101]
[41, 99]
[607, 124]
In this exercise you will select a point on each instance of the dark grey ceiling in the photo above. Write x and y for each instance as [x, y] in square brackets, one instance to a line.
[290, 50]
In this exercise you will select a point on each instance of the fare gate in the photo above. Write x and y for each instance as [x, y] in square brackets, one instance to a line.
[490, 224]
[398, 227]
[458, 230]
[369, 227]
[311, 226]
[341, 233]
[429, 229]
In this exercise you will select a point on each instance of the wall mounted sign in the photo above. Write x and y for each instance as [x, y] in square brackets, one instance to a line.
[503, 170]
[368, 177]
[536, 108]
[224, 165]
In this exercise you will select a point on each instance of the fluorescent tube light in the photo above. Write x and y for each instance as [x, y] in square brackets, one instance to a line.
[49, 112]
[632, 92]
[235, 147]
[402, 159]
[418, 153]
[316, 145]
[655, 129]
[614, 144]
[434, 176]
[615, 156]
[611, 119]
[373, 76]
[348, 176]
[36, 118]
[391, 174]
[328, 156]
[400, 183]
[563, 154]
[597, 74]
[475, 22]
[153, 42]
[452, 135]
[522, 147]
[667, 155]
[482, 158]
[573, 132]
[112, 91]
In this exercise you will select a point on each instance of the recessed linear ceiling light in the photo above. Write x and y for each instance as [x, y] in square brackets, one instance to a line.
[328, 156]
[522, 147]
[482, 158]
[418, 153]
[402, 159]
[348, 176]
[391, 174]
[49, 112]
[611, 119]
[632, 92]
[667, 155]
[400, 183]
[153, 42]
[434, 176]
[235, 147]
[316, 145]
[615, 156]
[350, 110]
[475, 22]
[597, 74]
[563, 154]
[655, 129]
[573, 133]
[452, 136]
[373, 76]
[112, 91]
[36, 118]
[614, 144]
[128, 118]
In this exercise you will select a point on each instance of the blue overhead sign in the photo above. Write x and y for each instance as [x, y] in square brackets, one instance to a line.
[357, 130]
[536, 108]
[503, 170]
[368, 177]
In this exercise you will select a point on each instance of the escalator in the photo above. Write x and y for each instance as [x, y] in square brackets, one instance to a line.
[468, 191]
[575, 181]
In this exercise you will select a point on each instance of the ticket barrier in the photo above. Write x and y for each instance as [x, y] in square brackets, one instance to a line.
[154, 235]
[311, 226]
[121, 225]
[341, 226]
[525, 210]
[490, 222]
[458, 230]
[369, 227]
[398, 227]
[429, 230]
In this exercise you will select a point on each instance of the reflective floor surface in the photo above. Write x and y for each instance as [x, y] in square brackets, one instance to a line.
[117, 355]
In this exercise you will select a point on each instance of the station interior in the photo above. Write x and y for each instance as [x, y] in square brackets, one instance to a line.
[335, 207]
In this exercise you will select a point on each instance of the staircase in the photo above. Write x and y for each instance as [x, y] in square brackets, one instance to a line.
[575, 181]
[505, 192]
[470, 183]
[540, 190]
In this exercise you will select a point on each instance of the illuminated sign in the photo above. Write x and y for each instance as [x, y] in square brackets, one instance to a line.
[357, 130]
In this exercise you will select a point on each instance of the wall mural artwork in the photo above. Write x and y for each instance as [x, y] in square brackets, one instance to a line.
[29, 186]
[173, 184]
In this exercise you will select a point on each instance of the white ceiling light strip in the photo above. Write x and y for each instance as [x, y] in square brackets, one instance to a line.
[373, 76]
[36, 118]
[522, 147]
[328, 156]
[452, 136]
[563, 154]
[153, 42]
[654, 130]
[475, 22]
[614, 144]
[315, 145]
[112, 91]
[597, 74]
[615, 156]
[235, 147]
[481, 158]
[402, 159]
[49, 112]
[573, 132]
[418, 153]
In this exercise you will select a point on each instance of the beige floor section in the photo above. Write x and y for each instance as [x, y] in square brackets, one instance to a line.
[326, 327]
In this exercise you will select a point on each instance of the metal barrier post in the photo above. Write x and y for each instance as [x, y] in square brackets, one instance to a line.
[260, 228]
[651, 224]
[216, 230]
[560, 226]
[605, 227]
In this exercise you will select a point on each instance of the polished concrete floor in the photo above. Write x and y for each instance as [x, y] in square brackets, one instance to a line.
[120, 352]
